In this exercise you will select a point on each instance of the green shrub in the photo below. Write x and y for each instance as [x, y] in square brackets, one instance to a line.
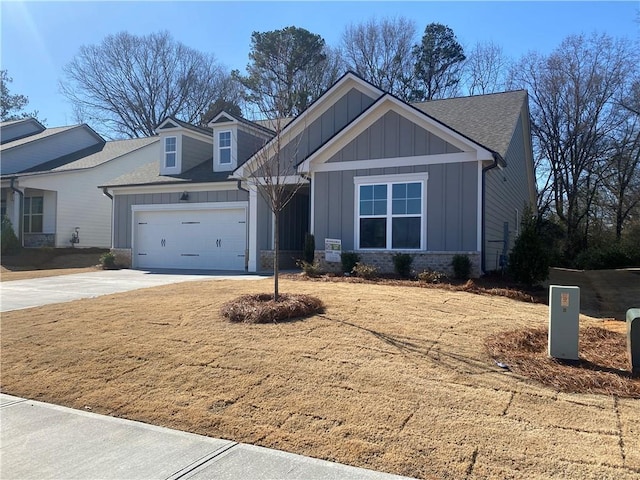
[606, 257]
[363, 270]
[402, 264]
[108, 260]
[529, 260]
[431, 276]
[461, 266]
[310, 269]
[309, 250]
[349, 261]
[9, 240]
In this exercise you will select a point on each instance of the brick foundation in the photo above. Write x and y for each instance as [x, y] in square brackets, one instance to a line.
[288, 259]
[123, 256]
[383, 261]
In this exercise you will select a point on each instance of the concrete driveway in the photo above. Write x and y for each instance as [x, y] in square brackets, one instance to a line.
[35, 292]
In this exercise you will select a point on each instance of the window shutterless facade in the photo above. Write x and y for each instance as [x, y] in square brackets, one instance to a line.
[33, 214]
[170, 152]
[390, 215]
[224, 148]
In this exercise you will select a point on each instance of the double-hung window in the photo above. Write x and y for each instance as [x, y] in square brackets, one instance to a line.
[224, 148]
[170, 152]
[390, 215]
[33, 214]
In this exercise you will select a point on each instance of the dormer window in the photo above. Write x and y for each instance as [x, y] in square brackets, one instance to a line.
[170, 152]
[224, 147]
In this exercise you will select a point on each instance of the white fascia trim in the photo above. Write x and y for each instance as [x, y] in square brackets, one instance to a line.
[396, 178]
[460, 157]
[286, 180]
[189, 206]
[383, 105]
[173, 188]
[170, 132]
[321, 105]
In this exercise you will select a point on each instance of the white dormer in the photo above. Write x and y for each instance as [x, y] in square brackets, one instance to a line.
[225, 142]
[235, 140]
[183, 146]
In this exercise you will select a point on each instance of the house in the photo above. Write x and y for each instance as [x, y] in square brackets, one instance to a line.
[432, 179]
[49, 177]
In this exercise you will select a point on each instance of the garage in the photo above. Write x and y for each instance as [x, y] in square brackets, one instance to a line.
[200, 237]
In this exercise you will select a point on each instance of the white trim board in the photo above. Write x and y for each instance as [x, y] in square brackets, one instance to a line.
[443, 158]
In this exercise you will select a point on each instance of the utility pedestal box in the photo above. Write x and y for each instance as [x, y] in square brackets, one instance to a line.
[633, 340]
[564, 312]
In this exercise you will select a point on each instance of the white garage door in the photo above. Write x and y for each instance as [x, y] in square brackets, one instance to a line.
[190, 239]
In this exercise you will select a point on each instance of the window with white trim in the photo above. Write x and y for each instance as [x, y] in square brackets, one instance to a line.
[33, 214]
[170, 152]
[390, 215]
[224, 148]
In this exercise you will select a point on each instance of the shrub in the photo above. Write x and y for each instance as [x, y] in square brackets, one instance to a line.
[431, 276]
[349, 261]
[9, 240]
[108, 260]
[402, 264]
[261, 308]
[461, 266]
[309, 269]
[363, 270]
[309, 250]
[528, 260]
[606, 257]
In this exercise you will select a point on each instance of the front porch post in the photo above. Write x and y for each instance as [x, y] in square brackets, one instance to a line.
[15, 216]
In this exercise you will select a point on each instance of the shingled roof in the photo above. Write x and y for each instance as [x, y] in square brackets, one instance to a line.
[487, 119]
[92, 156]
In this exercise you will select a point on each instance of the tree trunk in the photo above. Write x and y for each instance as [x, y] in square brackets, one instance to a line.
[276, 254]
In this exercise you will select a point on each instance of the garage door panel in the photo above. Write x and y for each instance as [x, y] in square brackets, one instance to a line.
[195, 239]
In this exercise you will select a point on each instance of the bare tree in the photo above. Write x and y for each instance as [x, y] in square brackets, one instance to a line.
[572, 93]
[380, 52]
[485, 69]
[273, 169]
[128, 84]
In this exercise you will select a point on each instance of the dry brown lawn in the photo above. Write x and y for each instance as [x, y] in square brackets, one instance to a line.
[390, 378]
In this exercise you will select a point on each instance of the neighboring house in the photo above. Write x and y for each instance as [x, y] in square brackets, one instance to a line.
[432, 179]
[49, 179]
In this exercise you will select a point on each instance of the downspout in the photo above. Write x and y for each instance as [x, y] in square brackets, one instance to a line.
[21, 210]
[106, 193]
[484, 201]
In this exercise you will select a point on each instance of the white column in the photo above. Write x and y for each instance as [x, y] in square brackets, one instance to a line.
[14, 214]
[253, 229]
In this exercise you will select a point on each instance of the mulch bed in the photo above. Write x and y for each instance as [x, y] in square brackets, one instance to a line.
[262, 308]
[603, 366]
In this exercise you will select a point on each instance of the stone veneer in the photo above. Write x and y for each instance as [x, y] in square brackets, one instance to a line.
[123, 256]
[35, 240]
[288, 259]
[383, 261]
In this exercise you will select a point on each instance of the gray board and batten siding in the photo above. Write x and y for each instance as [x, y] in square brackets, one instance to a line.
[122, 207]
[452, 193]
[451, 189]
[194, 152]
[334, 119]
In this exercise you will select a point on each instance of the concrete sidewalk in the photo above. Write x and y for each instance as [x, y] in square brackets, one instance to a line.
[43, 441]
[18, 294]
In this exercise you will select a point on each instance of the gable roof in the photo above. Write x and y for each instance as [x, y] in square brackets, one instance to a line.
[90, 157]
[224, 117]
[194, 128]
[49, 132]
[487, 119]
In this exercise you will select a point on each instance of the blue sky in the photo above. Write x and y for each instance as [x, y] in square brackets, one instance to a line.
[39, 38]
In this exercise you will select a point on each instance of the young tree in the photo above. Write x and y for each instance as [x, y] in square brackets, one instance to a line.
[128, 84]
[438, 63]
[289, 63]
[380, 52]
[11, 105]
[485, 69]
